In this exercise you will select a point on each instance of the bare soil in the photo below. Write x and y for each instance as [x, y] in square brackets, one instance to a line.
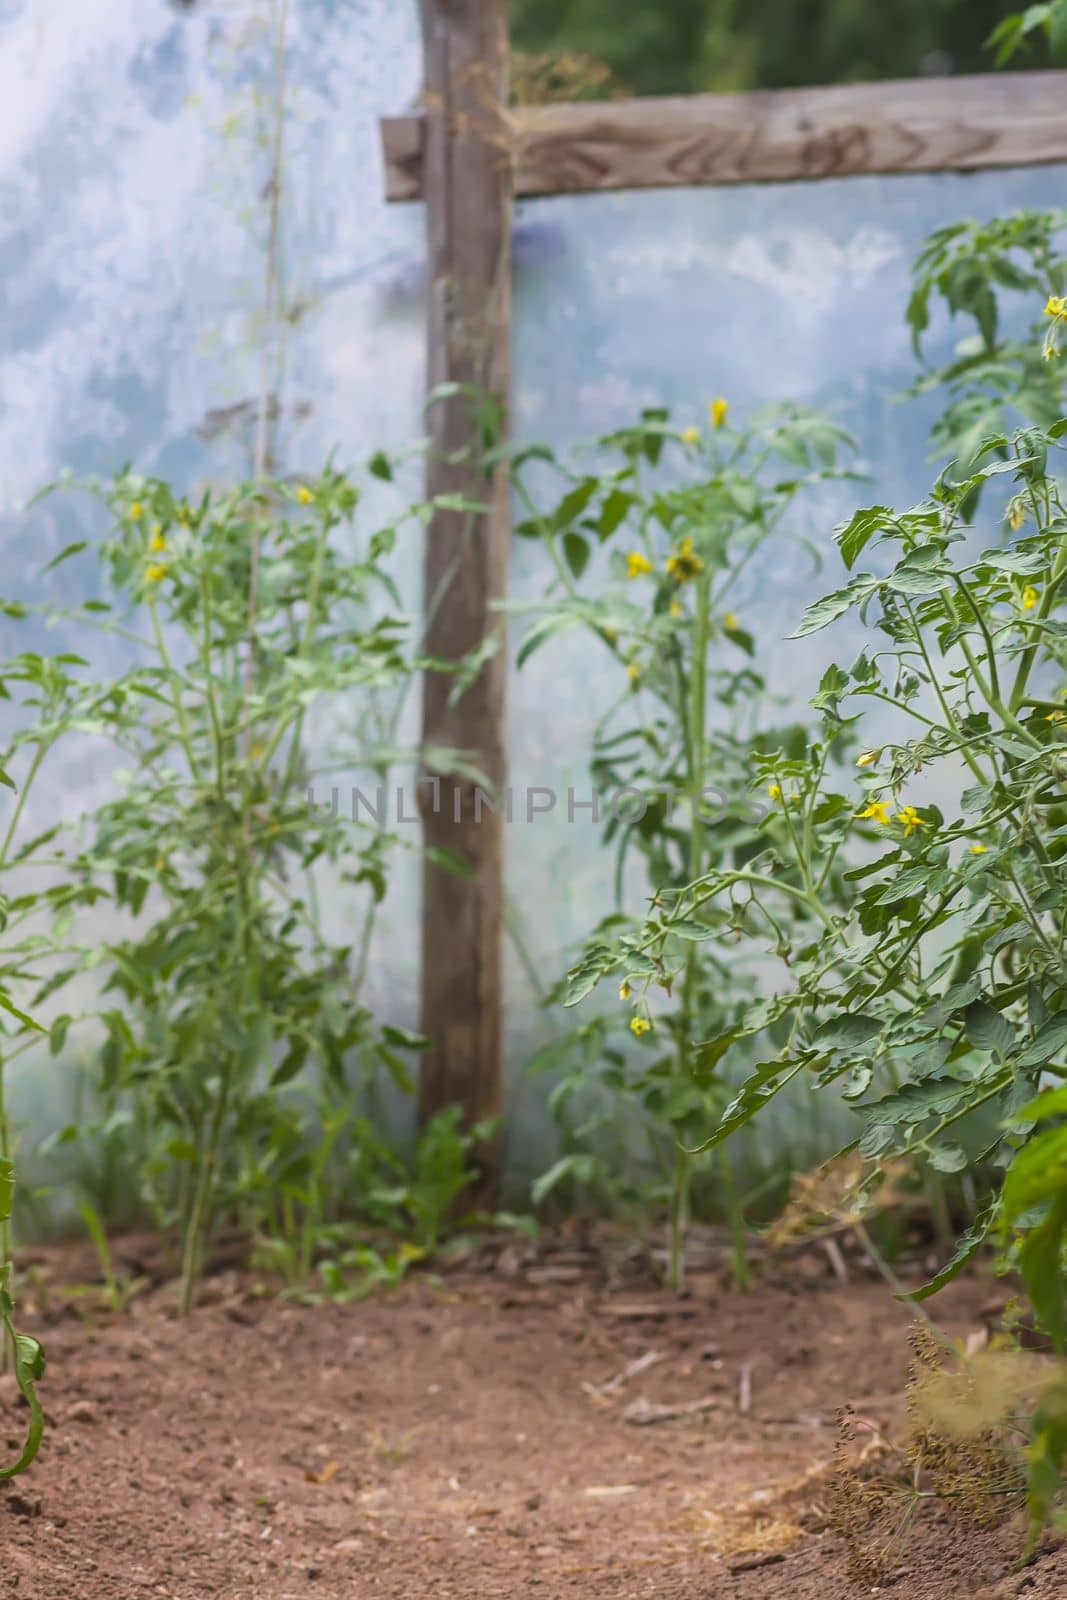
[478, 1436]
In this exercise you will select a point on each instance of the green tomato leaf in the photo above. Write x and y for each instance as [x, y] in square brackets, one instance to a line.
[966, 1249]
[576, 550]
[20, 1016]
[948, 1157]
[613, 511]
[916, 581]
[1038, 1173]
[1041, 1267]
[848, 1031]
[404, 1039]
[835, 605]
[29, 1367]
[580, 1167]
[859, 1082]
[761, 1086]
[1050, 1041]
[687, 928]
[914, 1102]
[988, 1030]
[66, 553]
[711, 1053]
[854, 535]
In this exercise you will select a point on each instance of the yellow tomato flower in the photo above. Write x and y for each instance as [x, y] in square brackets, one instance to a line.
[1056, 306]
[691, 435]
[685, 563]
[1016, 515]
[633, 671]
[155, 572]
[878, 811]
[868, 758]
[1056, 716]
[1029, 597]
[157, 541]
[730, 622]
[304, 495]
[911, 820]
[676, 609]
[625, 991]
[1049, 352]
[718, 409]
[136, 511]
[637, 564]
[978, 849]
[640, 1025]
[775, 791]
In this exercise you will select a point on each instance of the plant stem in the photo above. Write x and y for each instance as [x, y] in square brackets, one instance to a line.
[679, 1216]
[175, 689]
[6, 1344]
[20, 803]
[696, 740]
[195, 1227]
[990, 651]
[935, 684]
[739, 1256]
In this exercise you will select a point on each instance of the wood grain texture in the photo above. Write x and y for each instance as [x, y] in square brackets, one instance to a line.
[913, 125]
[469, 320]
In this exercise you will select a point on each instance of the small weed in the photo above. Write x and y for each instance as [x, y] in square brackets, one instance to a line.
[391, 1451]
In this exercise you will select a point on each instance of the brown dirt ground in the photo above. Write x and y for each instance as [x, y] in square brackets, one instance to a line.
[452, 1440]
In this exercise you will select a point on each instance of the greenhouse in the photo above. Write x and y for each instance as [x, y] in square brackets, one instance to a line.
[533, 788]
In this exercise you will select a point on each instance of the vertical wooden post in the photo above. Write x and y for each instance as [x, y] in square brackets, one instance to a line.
[467, 171]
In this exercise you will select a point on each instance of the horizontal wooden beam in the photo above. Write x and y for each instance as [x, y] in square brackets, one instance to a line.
[1008, 119]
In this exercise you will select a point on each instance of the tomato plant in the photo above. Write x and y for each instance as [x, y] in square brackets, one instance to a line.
[675, 517]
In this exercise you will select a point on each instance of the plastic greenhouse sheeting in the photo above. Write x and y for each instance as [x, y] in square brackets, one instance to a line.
[760, 294]
[131, 250]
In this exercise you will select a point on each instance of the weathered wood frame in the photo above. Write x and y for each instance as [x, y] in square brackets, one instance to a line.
[466, 154]
[778, 135]
[467, 159]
